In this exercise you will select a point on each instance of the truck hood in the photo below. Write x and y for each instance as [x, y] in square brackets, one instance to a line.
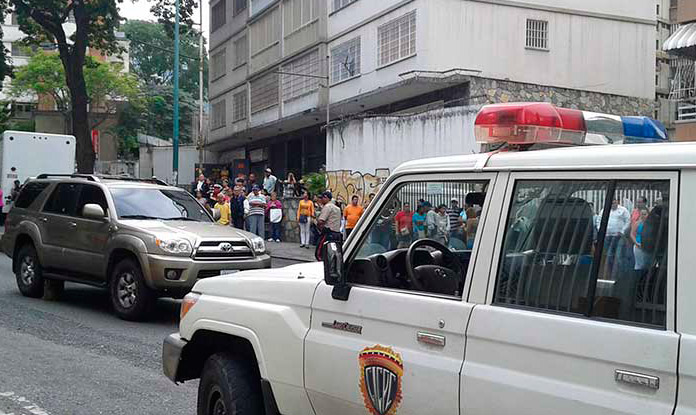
[292, 285]
[193, 231]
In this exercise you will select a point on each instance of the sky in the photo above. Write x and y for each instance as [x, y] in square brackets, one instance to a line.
[140, 10]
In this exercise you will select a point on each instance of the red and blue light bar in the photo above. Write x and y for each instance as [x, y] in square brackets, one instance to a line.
[544, 123]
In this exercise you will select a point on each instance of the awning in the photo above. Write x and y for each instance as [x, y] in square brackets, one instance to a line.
[683, 38]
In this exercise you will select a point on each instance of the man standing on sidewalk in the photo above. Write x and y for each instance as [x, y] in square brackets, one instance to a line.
[352, 213]
[269, 182]
[329, 223]
[257, 212]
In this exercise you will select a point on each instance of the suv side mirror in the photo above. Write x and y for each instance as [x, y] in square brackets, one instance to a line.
[93, 211]
[334, 273]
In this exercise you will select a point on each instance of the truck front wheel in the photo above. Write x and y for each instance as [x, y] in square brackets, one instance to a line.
[229, 386]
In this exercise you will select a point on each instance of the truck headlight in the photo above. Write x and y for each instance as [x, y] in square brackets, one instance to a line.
[175, 246]
[259, 245]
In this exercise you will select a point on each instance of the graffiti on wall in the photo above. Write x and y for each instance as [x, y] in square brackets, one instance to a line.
[344, 184]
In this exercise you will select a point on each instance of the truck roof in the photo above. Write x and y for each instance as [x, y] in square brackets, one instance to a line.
[601, 157]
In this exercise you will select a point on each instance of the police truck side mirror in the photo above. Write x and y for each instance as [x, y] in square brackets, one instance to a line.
[334, 273]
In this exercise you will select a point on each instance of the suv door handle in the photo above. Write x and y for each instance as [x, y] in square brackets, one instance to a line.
[73, 224]
[44, 220]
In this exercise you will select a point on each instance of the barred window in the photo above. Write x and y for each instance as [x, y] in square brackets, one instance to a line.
[339, 4]
[241, 51]
[299, 13]
[265, 31]
[218, 66]
[219, 114]
[219, 16]
[294, 85]
[239, 6]
[397, 39]
[264, 92]
[240, 106]
[537, 34]
[345, 60]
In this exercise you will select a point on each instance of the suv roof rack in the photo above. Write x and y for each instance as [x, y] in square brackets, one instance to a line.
[100, 177]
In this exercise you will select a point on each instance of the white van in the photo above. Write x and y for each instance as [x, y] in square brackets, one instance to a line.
[560, 283]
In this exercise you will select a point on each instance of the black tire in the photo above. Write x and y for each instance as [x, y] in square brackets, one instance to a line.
[229, 386]
[130, 296]
[29, 272]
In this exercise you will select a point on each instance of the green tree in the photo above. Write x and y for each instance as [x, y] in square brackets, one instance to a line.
[151, 60]
[96, 21]
[106, 86]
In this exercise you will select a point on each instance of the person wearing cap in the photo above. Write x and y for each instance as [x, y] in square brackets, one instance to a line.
[329, 223]
[269, 182]
[257, 212]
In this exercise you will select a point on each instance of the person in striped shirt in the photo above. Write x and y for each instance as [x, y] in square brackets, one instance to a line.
[257, 211]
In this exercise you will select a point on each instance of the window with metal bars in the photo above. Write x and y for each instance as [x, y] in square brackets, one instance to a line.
[239, 6]
[592, 248]
[265, 32]
[297, 85]
[241, 51]
[265, 92]
[397, 39]
[219, 114]
[219, 15]
[345, 60]
[240, 106]
[537, 34]
[218, 66]
[339, 4]
[299, 13]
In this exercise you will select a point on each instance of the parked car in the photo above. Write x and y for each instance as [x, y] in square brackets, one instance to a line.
[574, 296]
[139, 239]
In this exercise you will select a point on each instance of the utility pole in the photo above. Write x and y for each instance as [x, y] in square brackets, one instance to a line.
[200, 88]
[175, 135]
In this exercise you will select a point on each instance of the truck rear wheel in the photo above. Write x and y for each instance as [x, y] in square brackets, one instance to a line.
[29, 272]
[229, 386]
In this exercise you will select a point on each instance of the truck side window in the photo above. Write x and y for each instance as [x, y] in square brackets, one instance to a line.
[29, 194]
[551, 259]
[63, 200]
[444, 212]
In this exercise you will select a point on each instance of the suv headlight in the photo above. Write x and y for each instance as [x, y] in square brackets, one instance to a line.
[175, 246]
[259, 245]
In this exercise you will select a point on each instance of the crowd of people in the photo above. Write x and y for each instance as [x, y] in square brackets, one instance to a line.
[250, 205]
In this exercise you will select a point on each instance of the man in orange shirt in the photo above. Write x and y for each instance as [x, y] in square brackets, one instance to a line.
[352, 213]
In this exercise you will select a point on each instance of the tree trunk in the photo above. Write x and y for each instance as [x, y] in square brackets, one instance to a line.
[80, 118]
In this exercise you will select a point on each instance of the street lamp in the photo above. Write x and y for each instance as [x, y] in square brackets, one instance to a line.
[175, 133]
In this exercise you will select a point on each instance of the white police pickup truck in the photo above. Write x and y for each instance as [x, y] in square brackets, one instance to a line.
[558, 281]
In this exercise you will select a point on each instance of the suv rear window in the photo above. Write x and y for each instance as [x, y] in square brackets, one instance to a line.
[29, 194]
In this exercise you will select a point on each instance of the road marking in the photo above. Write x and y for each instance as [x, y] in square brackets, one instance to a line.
[26, 407]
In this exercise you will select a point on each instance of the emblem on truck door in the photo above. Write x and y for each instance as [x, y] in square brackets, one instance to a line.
[381, 370]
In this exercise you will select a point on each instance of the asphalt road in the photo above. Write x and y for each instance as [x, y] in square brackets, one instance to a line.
[74, 357]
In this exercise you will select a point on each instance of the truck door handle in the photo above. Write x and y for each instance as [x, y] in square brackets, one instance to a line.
[431, 339]
[637, 379]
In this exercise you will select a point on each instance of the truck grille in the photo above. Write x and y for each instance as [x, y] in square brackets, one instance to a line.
[223, 251]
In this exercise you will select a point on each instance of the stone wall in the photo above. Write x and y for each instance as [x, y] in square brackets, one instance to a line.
[291, 228]
[493, 91]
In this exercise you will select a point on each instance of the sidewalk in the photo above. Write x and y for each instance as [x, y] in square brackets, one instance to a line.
[290, 251]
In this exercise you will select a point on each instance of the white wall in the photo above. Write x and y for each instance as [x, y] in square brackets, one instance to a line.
[386, 142]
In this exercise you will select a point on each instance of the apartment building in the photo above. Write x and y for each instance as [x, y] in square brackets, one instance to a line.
[396, 59]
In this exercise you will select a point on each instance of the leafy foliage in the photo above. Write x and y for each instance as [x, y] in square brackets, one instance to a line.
[315, 182]
[152, 62]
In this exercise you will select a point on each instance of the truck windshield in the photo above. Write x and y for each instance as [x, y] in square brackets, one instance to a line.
[157, 204]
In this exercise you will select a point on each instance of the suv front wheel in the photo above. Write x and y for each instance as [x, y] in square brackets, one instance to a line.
[130, 297]
[29, 272]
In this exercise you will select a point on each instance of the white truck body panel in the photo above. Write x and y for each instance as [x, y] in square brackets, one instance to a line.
[26, 154]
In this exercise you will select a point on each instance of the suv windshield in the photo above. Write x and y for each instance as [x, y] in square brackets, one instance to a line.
[143, 203]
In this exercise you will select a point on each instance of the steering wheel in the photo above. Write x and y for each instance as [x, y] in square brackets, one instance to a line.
[437, 279]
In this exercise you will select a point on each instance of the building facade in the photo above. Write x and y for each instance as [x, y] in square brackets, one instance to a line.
[397, 58]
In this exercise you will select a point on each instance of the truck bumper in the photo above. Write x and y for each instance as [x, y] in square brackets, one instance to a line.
[190, 270]
[171, 355]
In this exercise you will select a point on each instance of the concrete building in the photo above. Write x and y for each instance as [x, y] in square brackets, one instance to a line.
[682, 46]
[665, 64]
[391, 59]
